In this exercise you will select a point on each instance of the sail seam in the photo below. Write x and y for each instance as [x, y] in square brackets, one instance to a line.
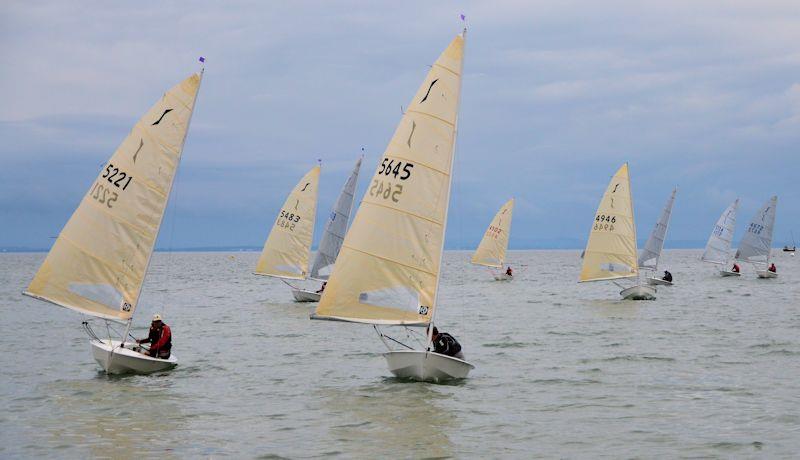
[402, 212]
[390, 260]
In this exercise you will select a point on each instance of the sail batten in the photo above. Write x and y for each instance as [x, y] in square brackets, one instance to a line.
[611, 250]
[99, 261]
[655, 243]
[718, 247]
[389, 265]
[756, 243]
[491, 251]
[287, 250]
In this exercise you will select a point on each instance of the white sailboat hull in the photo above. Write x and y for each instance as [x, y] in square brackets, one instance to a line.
[726, 273]
[766, 274]
[639, 292]
[127, 361]
[426, 366]
[653, 281]
[301, 295]
[503, 277]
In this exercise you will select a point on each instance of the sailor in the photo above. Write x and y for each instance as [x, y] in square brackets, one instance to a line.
[446, 344]
[735, 268]
[509, 272]
[772, 268]
[322, 288]
[667, 276]
[159, 338]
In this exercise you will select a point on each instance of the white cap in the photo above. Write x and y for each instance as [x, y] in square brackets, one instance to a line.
[156, 317]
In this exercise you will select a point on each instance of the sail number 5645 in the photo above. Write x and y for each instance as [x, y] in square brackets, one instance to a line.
[386, 190]
[394, 169]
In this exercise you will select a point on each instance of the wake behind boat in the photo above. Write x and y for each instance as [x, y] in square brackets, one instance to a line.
[99, 261]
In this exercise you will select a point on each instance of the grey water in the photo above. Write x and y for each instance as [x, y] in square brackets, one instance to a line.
[709, 369]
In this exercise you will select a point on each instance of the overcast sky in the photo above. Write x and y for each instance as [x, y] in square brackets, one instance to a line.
[556, 95]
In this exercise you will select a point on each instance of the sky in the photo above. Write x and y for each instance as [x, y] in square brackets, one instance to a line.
[703, 95]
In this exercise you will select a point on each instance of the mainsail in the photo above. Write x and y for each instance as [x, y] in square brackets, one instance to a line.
[655, 243]
[335, 227]
[98, 263]
[388, 269]
[718, 248]
[288, 246]
[757, 240]
[611, 250]
[491, 251]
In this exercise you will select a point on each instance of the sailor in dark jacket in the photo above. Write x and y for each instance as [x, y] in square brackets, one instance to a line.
[667, 276]
[446, 344]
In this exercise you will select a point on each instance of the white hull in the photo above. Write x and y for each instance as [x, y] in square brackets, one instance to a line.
[766, 274]
[653, 281]
[426, 366]
[639, 292]
[726, 273]
[301, 295]
[127, 361]
[503, 277]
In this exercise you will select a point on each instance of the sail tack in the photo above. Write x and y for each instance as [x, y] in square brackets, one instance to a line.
[718, 247]
[98, 263]
[388, 269]
[335, 227]
[757, 240]
[655, 243]
[611, 250]
[491, 251]
[288, 247]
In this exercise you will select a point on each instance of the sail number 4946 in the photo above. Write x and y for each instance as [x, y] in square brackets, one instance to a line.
[603, 222]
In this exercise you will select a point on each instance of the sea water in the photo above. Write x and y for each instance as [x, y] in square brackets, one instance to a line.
[709, 369]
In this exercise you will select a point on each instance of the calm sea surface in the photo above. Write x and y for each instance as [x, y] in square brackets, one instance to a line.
[709, 369]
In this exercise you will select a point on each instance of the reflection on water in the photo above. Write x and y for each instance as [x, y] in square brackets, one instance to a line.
[112, 416]
[391, 416]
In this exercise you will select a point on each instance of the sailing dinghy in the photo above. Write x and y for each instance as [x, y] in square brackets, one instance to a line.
[288, 248]
[756, 244]
[790, 249]
[491, 251]
[611, 253]
[99, 261]
[389, 267]
[718, 248]
[651, 253]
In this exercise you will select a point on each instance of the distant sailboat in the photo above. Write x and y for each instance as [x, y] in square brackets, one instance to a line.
[389, 268]
[99, 261]
[491, 251]
[791, 248]
[611, 250]
[288, 248]
[332, 237]
[756, 244]
[655, 243]
[718, 248]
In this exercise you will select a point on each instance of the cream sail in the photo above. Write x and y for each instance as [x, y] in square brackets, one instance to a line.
[335, 227]
[491, 251]
[287, 250]
[611, 251]
[99, 261]
[388, 269]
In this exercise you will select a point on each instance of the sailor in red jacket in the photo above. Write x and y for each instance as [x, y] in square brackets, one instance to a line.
[159, 338]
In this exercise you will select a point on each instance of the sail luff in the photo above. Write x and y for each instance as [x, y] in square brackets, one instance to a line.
[98, 264]
[491, 251]
[756, 244]
[611, 249]
[389, 266]
[287, 249]
[336, 226]
[718, 247]
[655, 243]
